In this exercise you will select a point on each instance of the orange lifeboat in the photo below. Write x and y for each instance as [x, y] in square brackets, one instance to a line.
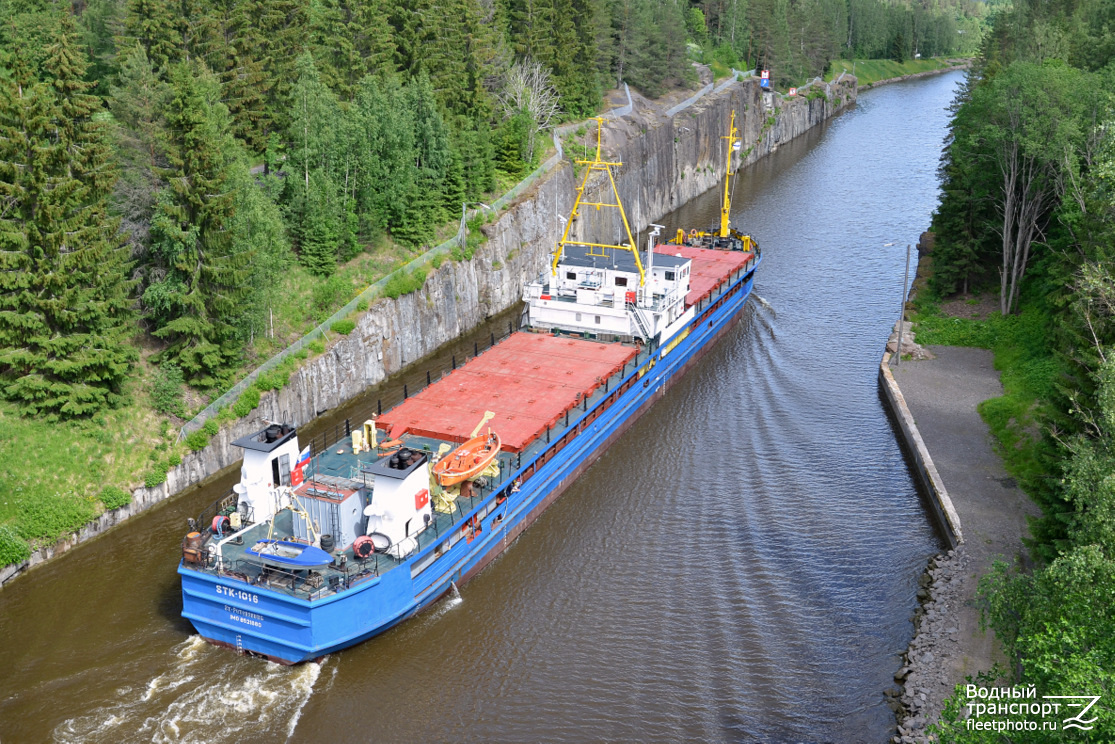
[469, 460]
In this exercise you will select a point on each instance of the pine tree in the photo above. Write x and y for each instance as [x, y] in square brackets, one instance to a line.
[65, 307]
[196, 302]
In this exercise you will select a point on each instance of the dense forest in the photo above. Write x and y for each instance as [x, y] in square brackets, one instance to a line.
[166, 165]
[1028, 214]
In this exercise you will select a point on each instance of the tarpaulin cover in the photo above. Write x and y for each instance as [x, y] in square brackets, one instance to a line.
[710, 268]
[529, 380]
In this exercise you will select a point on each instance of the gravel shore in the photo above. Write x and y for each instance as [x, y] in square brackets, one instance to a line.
[948, 645]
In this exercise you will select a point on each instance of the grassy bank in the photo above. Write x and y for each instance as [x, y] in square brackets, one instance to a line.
[871, 71]
[1028, 371]
[58, 476]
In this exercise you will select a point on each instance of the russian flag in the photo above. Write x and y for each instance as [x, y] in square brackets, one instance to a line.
[296, 474]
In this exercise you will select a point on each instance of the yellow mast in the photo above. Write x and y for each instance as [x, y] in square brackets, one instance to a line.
[733, 138]
[597, 164]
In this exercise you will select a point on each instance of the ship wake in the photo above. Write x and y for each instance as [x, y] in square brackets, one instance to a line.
[205, 695]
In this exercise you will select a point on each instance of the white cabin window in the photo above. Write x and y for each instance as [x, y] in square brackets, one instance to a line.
[621, 281]
[571, 275]
[597, 320]
[669, 276]
[578, 317]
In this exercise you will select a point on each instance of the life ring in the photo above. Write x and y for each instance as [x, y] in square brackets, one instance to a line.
[363, 547]
[693, 234]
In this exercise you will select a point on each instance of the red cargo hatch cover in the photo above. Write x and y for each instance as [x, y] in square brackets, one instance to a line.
[528, 380]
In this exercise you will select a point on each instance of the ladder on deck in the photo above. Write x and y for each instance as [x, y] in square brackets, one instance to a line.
[640, 322]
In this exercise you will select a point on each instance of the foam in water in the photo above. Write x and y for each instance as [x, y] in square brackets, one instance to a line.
[204, 695]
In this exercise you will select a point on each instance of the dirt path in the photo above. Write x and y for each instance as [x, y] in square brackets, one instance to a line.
[942, 394]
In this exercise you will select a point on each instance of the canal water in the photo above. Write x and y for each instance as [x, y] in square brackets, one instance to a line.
[740, 566]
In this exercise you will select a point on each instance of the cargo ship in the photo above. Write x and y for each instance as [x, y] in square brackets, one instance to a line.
[316, 550]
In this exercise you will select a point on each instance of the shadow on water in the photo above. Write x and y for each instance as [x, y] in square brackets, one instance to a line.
[741, 565]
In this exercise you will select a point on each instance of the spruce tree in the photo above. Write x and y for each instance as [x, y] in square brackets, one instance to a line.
[65, 307]
[154, 26]
[196, 302]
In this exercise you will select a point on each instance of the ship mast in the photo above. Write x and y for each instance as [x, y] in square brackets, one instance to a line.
[597, 164]
[733, 145]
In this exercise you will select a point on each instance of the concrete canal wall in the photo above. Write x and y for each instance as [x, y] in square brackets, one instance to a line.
[923, 468]
[667, 161]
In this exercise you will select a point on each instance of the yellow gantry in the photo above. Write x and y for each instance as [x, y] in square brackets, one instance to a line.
[598, 164]
[733, 138]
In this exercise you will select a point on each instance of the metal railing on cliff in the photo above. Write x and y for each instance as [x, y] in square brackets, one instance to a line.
[375, 290]
[818, 81]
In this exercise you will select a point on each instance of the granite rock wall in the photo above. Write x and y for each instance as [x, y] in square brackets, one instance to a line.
[666, 163]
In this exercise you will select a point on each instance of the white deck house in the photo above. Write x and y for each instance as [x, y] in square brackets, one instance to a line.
[595, 290]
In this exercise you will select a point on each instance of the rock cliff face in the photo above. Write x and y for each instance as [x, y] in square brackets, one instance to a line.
[666, 163]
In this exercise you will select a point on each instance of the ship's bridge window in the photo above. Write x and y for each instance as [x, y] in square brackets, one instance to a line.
[621, 281]
[571, 275]
[669, 276]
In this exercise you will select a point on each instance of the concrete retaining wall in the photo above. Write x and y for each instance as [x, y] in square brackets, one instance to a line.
[924, 469]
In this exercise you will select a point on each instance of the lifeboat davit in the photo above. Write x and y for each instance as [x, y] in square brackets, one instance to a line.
[469, 460]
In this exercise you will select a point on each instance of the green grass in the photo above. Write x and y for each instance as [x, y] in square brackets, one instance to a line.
[55, 477]
[1028, 372]
[871, 71]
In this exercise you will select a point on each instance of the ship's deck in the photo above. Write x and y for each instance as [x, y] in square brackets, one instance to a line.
[710, 268]
[533, 382]
[529, 381]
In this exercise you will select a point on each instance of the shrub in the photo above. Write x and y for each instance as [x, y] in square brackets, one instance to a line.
[13, 548]
[361, 306]
[274, 379]
[113, 497]
[246, 403]
[317, 346]
[156, 475]
[329, 292]
[211, 427]
[174, 460]
[197, 440]
[343, 326]
[166, 390]
[402, 282]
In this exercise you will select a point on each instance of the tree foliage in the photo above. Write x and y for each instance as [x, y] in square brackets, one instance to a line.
[1028, 209]
[201, 277]
[65, 312]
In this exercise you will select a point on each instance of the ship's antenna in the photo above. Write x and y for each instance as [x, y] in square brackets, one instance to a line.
[598, 164]
[733, 146]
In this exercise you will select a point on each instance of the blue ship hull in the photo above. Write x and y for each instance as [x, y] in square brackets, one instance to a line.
[291, 629]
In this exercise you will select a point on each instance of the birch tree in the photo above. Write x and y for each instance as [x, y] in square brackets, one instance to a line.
[529, 90]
